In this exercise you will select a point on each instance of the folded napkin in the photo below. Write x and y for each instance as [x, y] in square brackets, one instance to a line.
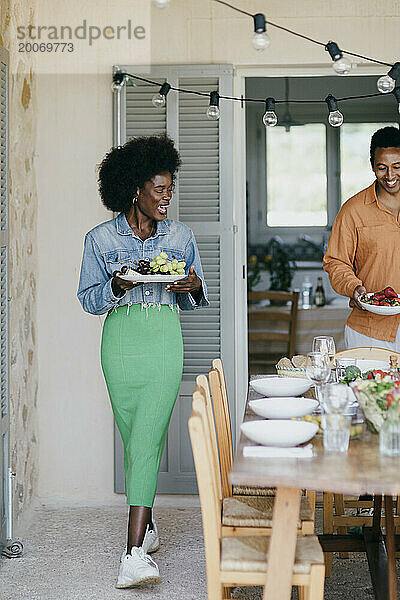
[275, 452]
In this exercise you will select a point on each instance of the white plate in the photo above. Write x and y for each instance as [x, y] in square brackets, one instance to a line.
[381, 310]
[284, 434]
[283, 407]
[364, 364]
[138, 278]
[280, 386]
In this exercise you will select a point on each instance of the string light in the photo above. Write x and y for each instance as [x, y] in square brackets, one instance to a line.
[270, 119]
[335, 117]
[213, 112]
[396, 93]
[387, 83]
[341, 64]
[118, 82]
[161, 3]
[261, 39]
[159, 100]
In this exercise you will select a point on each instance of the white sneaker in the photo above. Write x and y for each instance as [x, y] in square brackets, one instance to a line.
[137, 568]
[151, 541]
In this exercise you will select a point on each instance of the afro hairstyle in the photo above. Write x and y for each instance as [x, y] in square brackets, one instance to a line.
[387, 137]
[128, 167]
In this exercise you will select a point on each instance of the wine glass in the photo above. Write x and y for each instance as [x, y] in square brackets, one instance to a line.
[318, 370]
[325, 344]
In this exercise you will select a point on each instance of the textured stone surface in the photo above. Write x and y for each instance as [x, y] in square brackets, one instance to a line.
[23, 256]
[78, 550]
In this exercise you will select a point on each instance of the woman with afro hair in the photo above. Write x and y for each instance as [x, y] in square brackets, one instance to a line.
[141, 346]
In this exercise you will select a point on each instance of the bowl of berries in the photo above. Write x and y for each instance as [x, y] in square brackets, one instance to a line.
[161, 269]
[385, 302]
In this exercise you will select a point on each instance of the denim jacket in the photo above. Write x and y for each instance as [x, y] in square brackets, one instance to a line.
[114, 242]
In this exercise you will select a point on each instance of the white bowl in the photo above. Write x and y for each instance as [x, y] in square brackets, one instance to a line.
[283, 407]
[280, 386]
[284, 434]
[380, 310]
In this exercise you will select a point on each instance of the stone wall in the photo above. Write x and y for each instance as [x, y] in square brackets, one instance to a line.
[23, 256]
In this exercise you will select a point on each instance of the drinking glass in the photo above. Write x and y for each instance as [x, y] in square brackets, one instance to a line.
[337, 423]
[326, 344]
[318, 370]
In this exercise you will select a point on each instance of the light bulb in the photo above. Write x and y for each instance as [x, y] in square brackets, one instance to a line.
[342, 66]
[161, 3]
[213, 112]
[270, 119]
[116, 86]
[158, 100]
[335, 118]
[386, 84]
[261, 40]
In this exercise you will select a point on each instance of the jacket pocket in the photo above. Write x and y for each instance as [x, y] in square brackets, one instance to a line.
[115, 259]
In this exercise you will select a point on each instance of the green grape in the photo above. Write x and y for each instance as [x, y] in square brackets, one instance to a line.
[156, 269]
[175, 262]
[160, 261]
[180, 271]
[163, 268]
[181, 265]
[163, 255]
[153, 263]
[169, 265]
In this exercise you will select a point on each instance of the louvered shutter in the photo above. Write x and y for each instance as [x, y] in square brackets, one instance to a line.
[4, 343]
[204, 202]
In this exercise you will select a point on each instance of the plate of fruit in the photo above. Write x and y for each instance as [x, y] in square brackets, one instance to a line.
[385, 302]
[161, 269]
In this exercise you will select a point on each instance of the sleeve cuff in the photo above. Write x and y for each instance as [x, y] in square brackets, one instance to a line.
[111, 296]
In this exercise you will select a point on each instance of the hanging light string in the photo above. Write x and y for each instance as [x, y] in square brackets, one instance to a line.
[246, 99]
[304, 37]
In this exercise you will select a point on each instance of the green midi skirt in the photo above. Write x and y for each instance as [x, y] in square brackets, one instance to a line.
[142, 362]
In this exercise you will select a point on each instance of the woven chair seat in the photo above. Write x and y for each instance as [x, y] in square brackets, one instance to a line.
[256, 511]
[250, 554]
[246, 490]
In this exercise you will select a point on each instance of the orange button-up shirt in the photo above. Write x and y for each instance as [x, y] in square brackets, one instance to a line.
[364, 249]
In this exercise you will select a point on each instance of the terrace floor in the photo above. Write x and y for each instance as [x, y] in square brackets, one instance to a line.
[72, 553]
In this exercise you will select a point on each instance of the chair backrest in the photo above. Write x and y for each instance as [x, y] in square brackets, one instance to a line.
[222, 425]
[367, 353]
[205, 411]
[271, 314]
[210, 504]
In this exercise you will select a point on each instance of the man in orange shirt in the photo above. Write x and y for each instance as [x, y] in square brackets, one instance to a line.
[363, 253]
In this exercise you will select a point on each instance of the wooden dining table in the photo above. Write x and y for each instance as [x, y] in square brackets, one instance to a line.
[363, 470]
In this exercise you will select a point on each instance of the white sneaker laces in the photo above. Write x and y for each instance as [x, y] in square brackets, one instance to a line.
[141, 554]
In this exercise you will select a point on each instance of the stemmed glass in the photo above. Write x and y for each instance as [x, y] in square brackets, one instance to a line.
[318, 370]
[325, 344]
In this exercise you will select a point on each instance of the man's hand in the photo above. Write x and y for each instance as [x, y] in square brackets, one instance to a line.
[191, 283]
[360, 289]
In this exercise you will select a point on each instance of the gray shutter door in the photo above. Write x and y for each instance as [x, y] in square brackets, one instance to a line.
[4, 344]
[204, 202]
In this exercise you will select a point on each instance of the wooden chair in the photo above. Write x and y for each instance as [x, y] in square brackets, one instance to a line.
[220, 403]
[241, 515]
[335, 518]
[264, 360]
[234, 561]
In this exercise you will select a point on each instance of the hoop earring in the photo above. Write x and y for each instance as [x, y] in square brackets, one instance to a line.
[134, 199]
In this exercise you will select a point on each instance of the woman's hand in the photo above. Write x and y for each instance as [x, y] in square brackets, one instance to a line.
[119, 285]
[191, 284]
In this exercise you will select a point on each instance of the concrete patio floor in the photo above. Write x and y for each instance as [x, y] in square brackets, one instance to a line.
[72, 553]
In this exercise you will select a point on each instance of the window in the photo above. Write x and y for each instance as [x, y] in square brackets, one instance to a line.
[355, 170]
[296, 176]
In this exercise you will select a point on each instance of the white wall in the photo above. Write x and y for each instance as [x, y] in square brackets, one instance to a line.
[74, 132]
